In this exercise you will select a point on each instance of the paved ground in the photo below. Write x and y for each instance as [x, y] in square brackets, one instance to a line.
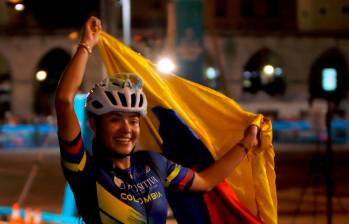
[301, 184]
[299, 169]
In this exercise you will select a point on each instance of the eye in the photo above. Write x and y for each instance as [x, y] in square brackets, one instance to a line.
[114, 119]
[134, 121]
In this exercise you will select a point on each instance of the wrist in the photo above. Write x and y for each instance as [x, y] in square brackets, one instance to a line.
[243, 146]
[85, 46]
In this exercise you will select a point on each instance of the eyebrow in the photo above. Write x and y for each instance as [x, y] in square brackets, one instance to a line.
[120, 114]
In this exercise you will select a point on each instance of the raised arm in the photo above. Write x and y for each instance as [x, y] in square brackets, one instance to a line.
[218, 171]
[68, 126]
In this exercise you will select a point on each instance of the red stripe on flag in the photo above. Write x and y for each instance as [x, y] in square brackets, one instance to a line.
[225, 207]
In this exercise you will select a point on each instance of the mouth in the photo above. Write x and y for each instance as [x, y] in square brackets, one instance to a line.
[123, 140]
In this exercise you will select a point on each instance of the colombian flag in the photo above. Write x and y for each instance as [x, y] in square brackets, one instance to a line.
[194, 126]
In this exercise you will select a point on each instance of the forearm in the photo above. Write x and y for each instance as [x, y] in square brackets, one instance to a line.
[72, 77]
[218, 171]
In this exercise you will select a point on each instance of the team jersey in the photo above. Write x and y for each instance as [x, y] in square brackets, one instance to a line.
[105, 194]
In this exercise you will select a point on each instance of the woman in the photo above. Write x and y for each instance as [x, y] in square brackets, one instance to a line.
[116, 184]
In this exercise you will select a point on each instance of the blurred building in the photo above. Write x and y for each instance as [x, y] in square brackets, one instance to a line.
[269, 55]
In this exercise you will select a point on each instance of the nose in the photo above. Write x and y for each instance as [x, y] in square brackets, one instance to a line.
[125, 126]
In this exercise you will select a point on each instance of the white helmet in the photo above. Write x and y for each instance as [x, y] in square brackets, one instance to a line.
[122, 94]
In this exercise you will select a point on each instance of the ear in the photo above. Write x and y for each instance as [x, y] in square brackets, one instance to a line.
[92, 123]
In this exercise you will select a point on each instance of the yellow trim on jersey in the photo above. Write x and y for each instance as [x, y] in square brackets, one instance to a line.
[75, 166]
[116, 208]
[173, 174]
[106, 219]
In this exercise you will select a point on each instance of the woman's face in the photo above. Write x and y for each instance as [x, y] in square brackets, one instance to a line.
[119, 132]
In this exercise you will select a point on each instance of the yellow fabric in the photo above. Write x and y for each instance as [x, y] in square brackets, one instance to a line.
[215, 118]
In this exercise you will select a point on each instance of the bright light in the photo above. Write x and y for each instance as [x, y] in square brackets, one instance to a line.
[41, 75]
[329, 79]
[19, 7]
[268, 70]
[166, 65]
[211, 73]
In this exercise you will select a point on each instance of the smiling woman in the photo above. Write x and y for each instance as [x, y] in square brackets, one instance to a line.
[117, 184]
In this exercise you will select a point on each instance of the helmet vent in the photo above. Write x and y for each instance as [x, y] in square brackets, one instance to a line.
[141, 101]
[97, 104]
[111, 97]
[116, 84]
[123, 99]
[133, 100]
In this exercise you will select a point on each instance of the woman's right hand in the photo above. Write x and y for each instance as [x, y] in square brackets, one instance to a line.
[91, 31]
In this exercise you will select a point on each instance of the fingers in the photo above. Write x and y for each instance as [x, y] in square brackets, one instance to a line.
[96, 25]
[93, 25]
[91, 31]
[251, 130]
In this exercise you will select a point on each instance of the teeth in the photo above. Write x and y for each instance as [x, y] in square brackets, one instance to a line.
[122, 139]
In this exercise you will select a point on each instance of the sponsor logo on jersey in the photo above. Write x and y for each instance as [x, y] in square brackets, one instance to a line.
[141, 200]
[138, 187]
[118, 182]
[147, 169]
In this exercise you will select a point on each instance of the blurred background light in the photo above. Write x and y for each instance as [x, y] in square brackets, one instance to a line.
[278, 71]
[268, 70]
[329, 79]
[166, 65]
[73, 35]
[19, 7]
[246, 83]
[41, 75]
[211, 73]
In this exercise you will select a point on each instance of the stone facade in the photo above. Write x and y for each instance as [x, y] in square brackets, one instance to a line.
[297, 54]
[23, 53]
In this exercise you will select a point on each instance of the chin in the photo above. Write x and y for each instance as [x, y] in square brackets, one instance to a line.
[123, 149]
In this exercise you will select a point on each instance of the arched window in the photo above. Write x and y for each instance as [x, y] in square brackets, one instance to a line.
[5, 87]
[329, 76]
[47, 76]
[263, 72]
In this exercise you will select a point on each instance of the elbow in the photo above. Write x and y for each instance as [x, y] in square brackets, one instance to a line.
[203, 184]
[63, 100]
[204, 188]
[208, 187]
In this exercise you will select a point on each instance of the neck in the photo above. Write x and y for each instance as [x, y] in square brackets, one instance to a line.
[123, 163]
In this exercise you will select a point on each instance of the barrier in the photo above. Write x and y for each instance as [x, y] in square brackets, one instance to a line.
[302, 132]
[45, 216]
[15, 217]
